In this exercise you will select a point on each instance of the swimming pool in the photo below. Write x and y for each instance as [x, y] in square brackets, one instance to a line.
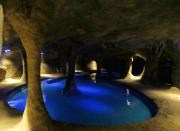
[96, 103]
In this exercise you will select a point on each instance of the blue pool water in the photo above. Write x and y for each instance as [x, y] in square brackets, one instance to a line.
[100, 103]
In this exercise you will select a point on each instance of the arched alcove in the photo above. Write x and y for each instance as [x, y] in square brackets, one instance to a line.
[137, 67]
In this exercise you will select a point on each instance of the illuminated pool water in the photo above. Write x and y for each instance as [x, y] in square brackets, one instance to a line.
[100, 103]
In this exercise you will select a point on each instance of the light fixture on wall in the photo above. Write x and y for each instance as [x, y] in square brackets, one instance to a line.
[132, 59]
[7, 50]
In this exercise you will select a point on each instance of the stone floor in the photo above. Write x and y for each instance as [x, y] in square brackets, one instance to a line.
[167, 119]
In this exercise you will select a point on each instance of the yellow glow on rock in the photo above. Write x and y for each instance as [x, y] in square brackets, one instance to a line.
[92, 65]
[12, 81]
[132, 77]
[22, 125]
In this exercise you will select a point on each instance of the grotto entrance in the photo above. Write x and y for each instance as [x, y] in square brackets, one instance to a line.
[138, 65]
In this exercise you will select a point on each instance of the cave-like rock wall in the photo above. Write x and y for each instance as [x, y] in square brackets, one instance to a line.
[174, 50]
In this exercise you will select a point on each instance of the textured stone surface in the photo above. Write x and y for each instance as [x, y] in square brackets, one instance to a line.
[1, 27]
[2, 74]
[176, 56]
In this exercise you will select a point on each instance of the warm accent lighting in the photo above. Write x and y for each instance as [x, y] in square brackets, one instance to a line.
[132, 59]
[3, 67]
[12, 81]
[92, 65]
[132, 77]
